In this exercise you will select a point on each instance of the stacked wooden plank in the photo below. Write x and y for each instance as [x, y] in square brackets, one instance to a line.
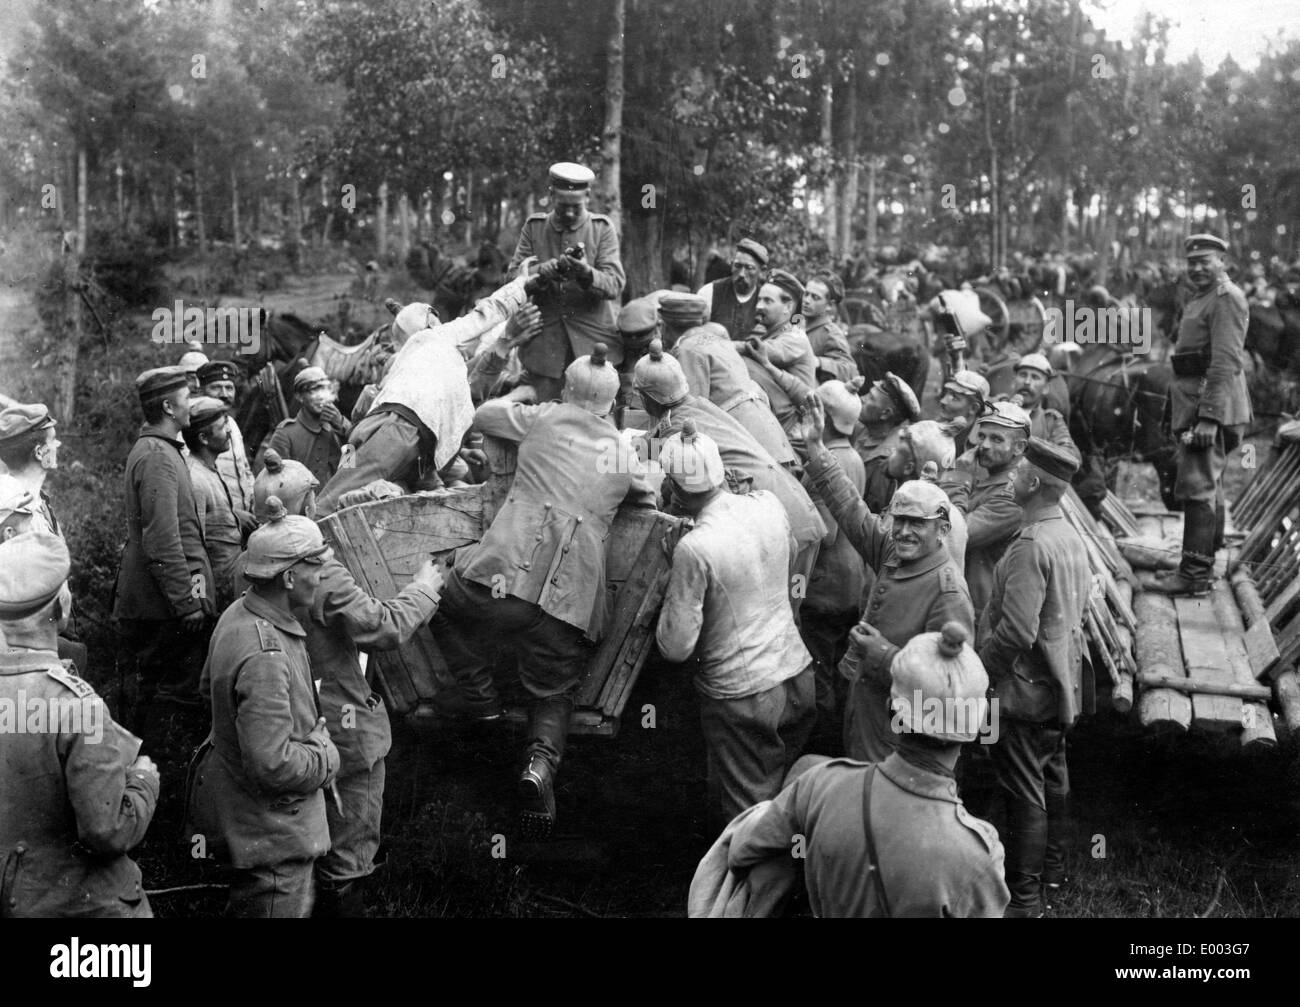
[1266, 574]
[1108, 618]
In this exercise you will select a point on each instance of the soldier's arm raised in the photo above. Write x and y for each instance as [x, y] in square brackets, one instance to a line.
[370, 623]
[508, 420]
[830, 484]
[489, 311]
[275, 761]
[160, 534]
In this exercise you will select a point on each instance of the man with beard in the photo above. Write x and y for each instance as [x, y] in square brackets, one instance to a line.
[316, 435]
[781, 359]
[224, 526]
[165, 594]
[1210, 407]
[1032, 644]
[993, 517]
[887, 408]
[830, 343]
[918, 587]
[580, 295]
[731, 302]
[960, 403]
[1033, 375]
[217, 379]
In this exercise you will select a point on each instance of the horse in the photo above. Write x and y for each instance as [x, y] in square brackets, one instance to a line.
[456, 286]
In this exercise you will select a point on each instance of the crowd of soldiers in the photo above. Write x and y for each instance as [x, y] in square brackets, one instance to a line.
[860, 584]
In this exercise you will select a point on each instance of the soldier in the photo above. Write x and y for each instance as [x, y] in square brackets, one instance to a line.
[317, 434]
[165, 593]
[256, 798]
[218, 381]
[993, 516]
[1210, 407]
[342, 618]
[960, 404]
[893, 838]
[423, 407]
[580, 298]
[731, 302]
[76, 797]
[838, 578]
[781, 359]
[917, 588]
[224, 527]
[1031, 641]
[1033, 375]
[667, 399]
[887, 408]
[925, 451]
[29, 449]
[190, 362]
[727, 602]
[537, 578]
[830, 343]
[716, 371]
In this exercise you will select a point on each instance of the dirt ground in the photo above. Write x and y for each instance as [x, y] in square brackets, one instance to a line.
[1163, 827]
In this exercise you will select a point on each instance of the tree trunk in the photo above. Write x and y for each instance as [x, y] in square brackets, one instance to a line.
[69, 340]
[381, 222]
[612, 136]
[198, 203]
[234, 209]
[849, 150]
[871, 208]
[120, 172]
[404, 220]
[829, 212]
[642, 247]
[470, 217]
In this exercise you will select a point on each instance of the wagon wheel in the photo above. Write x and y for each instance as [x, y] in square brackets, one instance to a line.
[992, 304]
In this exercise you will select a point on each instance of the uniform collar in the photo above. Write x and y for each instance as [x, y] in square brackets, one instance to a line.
[263, 609]
[154, 430]
[915, 568]
[308, 421]
[921, 782]
[18, 660]
[558, 229]
[1041, 512]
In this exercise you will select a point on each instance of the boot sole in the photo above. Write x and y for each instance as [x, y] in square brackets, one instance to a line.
[535, 820]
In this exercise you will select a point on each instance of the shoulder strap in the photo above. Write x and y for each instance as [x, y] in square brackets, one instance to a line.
[881, 895]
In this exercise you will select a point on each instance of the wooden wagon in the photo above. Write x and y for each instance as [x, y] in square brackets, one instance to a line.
[383, 543]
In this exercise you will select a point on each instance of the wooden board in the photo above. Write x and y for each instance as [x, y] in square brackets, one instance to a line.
[1159, 651]
[1205, 656]
[385, 542]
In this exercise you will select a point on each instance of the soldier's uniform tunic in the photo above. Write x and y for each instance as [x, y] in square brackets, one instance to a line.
[992, 521]
[165, 572]
[235, 470]
[574, 318]
[256, 796]
[935, 858]
[830, 345]
[879, 487]
[312, 441]
[70, 808]
[1049, 425]
[908, 599]
[788, 348]
[222, 527]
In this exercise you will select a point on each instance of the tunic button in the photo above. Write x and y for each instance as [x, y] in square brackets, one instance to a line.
[579, 520]
[539, 538]
[526, 566]
[20, 850]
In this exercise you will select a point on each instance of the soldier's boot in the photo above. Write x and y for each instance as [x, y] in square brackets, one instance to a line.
[548, 730]
[1026, 845]
[1196, 571]
[1220, 522]
[474, 698]
[336, 901]
[1058, 831]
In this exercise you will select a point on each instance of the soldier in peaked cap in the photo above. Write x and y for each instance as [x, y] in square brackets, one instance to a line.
[579, 297]
[727, 602]
[822, 294]
[961, 401]
[892, 838]
[537, 577]
[925, 451]
[219, 380]
[780, 359]
[191, 361]
[224, 525]
[918, 587]
[1033, 374]
[317, 434]
[75, 795]
[1210, 407]
[887, 406]
[256, 796]
[732, 301]
[29, 449]
[1031, 641]
[165, 594]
